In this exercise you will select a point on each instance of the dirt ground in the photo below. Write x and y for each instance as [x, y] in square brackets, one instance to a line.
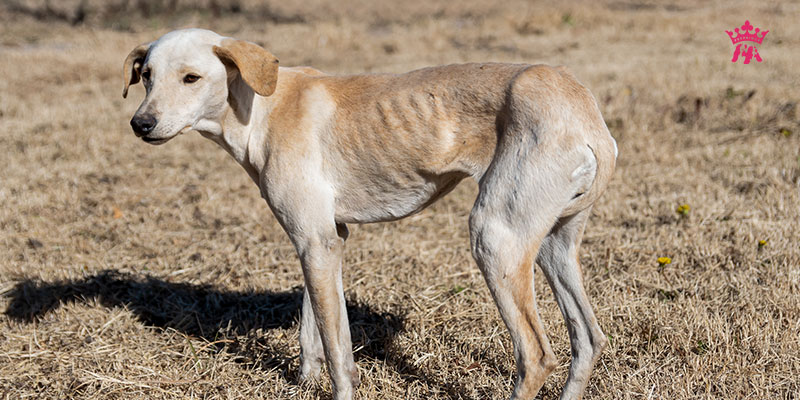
[129, 271]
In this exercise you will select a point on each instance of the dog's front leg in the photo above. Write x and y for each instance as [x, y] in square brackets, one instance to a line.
[312, 353]
[321, 257]
[304, 204]
[320, 246]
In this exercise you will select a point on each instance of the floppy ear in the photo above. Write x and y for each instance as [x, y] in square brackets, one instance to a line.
[258, 67]
[132, 68]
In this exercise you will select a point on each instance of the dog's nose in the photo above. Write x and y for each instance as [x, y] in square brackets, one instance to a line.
[143, 124]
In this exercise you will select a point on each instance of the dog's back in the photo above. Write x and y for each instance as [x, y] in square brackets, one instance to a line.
[438, 117]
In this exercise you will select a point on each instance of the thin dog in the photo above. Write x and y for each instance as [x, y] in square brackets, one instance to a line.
[331, 150]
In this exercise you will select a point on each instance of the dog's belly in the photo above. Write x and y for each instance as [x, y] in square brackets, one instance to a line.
[388, 199]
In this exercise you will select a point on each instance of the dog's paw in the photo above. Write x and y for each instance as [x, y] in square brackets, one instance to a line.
[310, 369]
[355, 376]
[309, 376]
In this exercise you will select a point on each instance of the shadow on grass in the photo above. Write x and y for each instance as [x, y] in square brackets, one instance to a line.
[213, 314]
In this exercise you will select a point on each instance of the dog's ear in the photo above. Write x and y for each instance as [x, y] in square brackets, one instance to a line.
[132, 68]
[258, 67]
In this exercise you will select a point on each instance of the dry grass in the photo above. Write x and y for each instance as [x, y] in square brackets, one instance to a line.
[132, 271]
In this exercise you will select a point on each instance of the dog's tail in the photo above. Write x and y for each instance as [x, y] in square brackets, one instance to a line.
[605, 156]
[602, 145]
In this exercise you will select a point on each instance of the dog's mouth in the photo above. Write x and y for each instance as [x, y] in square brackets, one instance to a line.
[154, 140]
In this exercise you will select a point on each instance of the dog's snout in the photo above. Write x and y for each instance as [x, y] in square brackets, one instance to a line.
[143, 124]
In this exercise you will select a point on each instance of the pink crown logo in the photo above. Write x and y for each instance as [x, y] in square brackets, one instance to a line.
[747, 36]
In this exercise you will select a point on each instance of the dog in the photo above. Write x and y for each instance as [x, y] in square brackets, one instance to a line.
[327, 151]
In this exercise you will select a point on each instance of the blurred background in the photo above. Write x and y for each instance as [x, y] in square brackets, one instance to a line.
[134, 271]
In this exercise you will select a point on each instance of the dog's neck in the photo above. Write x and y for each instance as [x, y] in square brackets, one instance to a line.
[239, 132]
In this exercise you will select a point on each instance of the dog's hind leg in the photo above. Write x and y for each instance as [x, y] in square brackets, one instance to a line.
[505, 256]
[521, 197]
[560, 263]
[506, 261]
[542, 168]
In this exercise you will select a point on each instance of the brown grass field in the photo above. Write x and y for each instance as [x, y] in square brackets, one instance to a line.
[129, 271]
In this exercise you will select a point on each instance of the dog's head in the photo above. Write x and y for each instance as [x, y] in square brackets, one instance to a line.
[186, 75]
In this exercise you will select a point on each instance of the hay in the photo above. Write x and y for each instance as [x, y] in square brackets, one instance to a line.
[140, 272]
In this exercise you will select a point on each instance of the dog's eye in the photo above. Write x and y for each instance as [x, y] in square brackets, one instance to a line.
[190, 78]
[146, 75]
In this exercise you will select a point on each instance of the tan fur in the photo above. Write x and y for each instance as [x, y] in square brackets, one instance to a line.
[132, 67]
[330, 150]
[259, 68]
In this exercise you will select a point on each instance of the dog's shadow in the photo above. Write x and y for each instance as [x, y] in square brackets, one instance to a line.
[213, 314]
